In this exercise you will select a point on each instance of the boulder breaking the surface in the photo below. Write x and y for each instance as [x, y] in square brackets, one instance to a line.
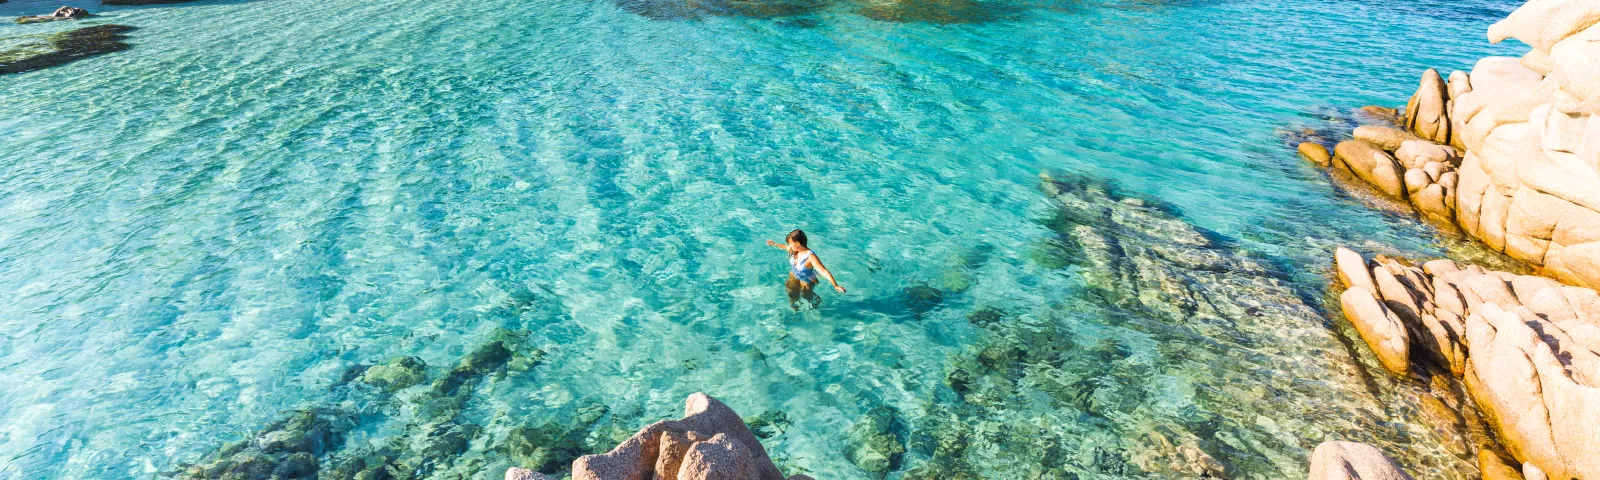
[1526, 347]
[63, 13]
[710, 442]
[1352, 461]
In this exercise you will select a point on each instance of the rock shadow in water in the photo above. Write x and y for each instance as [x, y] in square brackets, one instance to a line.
[65, 47]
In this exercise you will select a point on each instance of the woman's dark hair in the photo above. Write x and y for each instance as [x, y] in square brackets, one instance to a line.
[797, 236]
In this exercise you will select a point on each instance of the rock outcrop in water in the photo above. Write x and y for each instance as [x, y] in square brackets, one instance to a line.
[142, 2]
[1526, 347]
[710, 442]
[63, 13]
[37, 52]
[1061, 400]
[1352, 461]
[314, 443]
[1509, 152]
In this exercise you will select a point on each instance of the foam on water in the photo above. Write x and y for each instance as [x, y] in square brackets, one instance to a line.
[199, 234]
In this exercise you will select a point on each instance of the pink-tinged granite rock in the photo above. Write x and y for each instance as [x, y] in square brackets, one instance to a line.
[1379, 327]
[516, 473]
[1542, 23]
[1427, 113]
[1383, 137]
[1352, 461]
[1493, 467]
[1353, 269]
[705, 420]
[720, 458]
[1537, 385]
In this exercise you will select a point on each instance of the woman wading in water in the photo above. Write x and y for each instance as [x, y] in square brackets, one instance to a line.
[803, 269]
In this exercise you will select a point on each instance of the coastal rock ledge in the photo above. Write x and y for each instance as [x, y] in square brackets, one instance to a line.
[1509, 152]
[710, 442]
[1526, 348]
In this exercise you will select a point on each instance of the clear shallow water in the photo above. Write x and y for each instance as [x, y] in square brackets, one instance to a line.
[202, 233]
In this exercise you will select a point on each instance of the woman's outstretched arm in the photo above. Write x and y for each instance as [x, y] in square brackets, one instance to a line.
[817, 262]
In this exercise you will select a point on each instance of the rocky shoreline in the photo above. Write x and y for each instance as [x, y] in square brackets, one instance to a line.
[1509, 155]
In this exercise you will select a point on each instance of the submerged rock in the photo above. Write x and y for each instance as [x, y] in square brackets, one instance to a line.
[692, 9]
[45, 51]
[877, 449]
[932, 11]
[289, 448]
[1048, 397]
[397, 374]
[311, 443]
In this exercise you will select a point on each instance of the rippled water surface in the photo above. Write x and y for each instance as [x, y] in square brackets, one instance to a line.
[202, 234]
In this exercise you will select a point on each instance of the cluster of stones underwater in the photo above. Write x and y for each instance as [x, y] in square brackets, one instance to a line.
[1041, 394]
[40, 51]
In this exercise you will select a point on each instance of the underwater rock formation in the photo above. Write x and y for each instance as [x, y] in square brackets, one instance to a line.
[45, 51]
[313, 443]
[1053, 399]
[709, 442]
[693, 9]
[1509, 152]
[898, 11]
[1526, 347]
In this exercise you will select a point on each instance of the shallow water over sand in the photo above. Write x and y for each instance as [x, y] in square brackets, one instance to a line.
[200, 235]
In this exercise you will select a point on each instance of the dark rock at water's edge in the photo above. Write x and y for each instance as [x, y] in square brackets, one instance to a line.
[64, 47]
[141, 2]
[63, 13]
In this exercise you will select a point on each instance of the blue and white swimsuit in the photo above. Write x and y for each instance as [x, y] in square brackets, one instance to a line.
[801, 271]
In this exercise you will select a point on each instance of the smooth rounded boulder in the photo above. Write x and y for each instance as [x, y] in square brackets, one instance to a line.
[1379, 327]
[1315, 153]
[1352, 461]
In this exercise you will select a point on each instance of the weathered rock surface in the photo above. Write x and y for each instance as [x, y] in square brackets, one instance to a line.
[141, 2]
[1371, 163]
[63, 13]
[1315, 153]
[1526, 347]
[1352, 461]
[1527, 180]
[1380, 327]
[517, 473]
[709, 442]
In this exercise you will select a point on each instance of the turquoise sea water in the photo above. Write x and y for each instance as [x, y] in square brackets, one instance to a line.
[201, 234]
